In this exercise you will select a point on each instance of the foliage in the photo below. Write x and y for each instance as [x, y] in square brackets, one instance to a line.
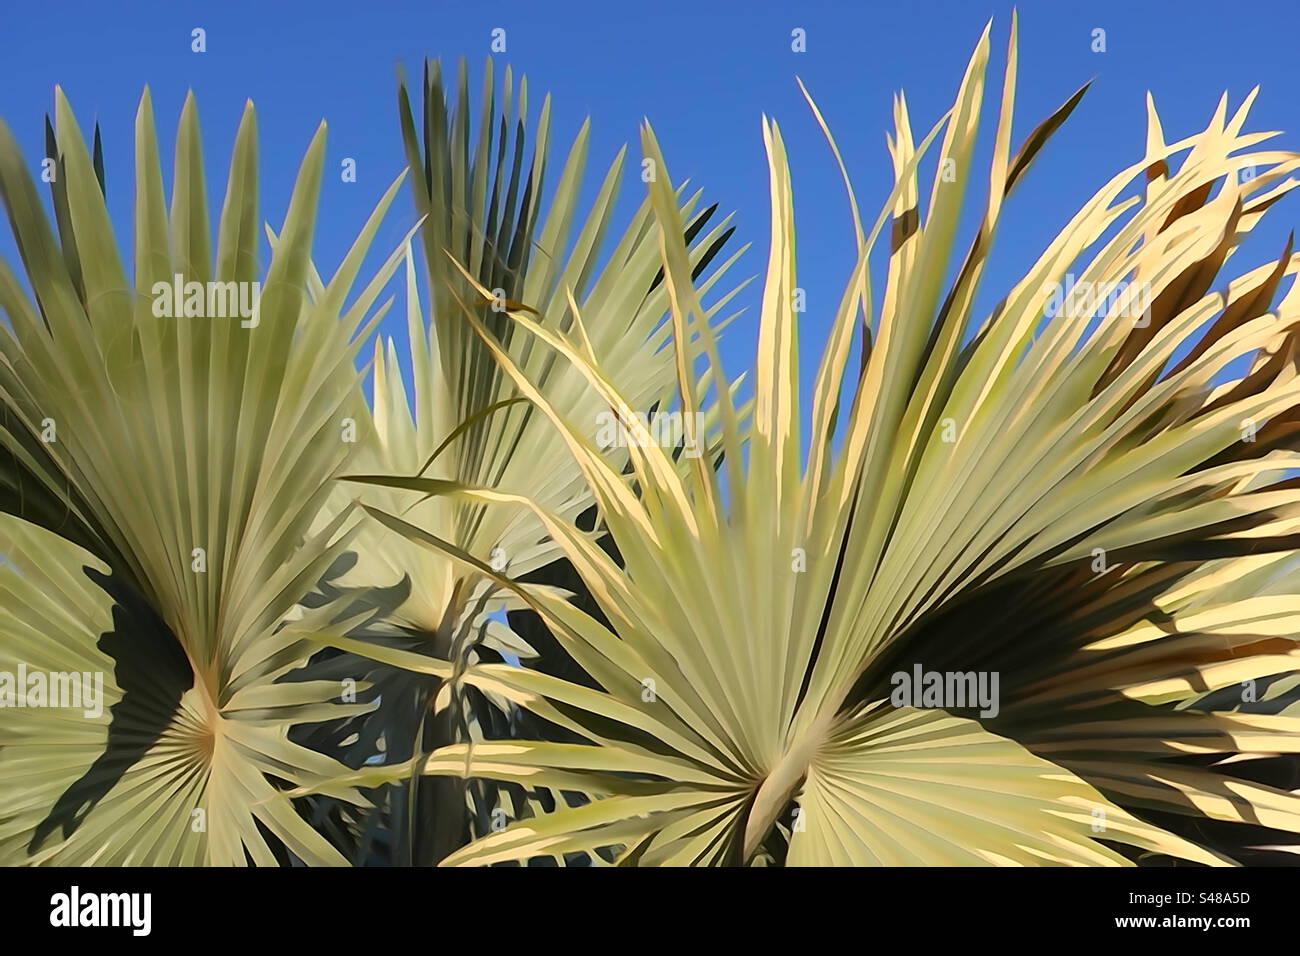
[570, 652]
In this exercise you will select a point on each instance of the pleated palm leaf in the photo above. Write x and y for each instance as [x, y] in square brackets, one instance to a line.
[479, 191]
[161, 474]
[1059, 497]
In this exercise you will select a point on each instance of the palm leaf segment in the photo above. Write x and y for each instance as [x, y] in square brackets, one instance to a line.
[951, 503]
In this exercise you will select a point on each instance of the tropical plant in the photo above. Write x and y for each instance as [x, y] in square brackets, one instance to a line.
[161, 474]
[1092, 502]
[690, 652]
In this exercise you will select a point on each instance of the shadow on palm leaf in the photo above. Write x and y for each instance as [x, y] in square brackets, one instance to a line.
[1103, 675]
[152, 673]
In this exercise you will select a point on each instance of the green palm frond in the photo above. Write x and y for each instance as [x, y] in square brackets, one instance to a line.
[1021, 493]
[175, 466]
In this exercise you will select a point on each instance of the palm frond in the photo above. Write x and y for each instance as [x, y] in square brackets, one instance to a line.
[175, 464]
[969, 477]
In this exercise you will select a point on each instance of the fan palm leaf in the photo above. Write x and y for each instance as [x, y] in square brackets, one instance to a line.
[1045, 495]
[464, 419]
[162, 473]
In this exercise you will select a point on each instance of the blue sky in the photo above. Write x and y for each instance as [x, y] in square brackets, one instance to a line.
[703, 72]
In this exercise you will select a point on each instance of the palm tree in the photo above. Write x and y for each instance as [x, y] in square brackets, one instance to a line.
[1085, 502]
